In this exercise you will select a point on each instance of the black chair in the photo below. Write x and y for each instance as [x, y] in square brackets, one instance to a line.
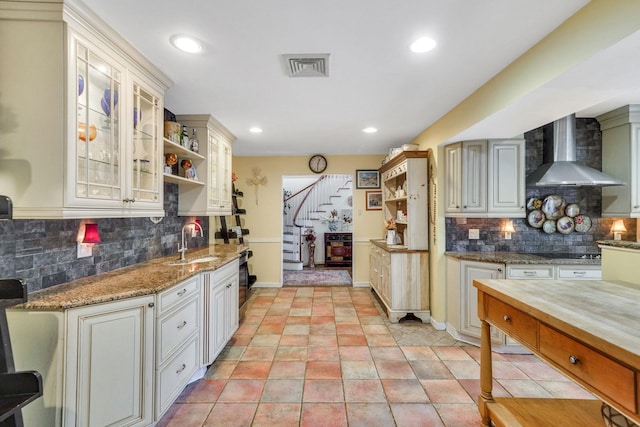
[16, 388]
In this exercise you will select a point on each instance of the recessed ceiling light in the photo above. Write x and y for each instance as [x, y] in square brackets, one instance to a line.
[423, 44]
[255, 129]
[186, 43]
[370, 130]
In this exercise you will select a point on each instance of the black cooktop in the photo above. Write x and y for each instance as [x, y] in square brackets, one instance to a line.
[564, 255]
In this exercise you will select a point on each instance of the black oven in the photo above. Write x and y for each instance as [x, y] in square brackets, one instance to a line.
[243, 294]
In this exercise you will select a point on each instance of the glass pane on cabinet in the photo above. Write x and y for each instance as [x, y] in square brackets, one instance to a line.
[145, 145]
[214, 189]
[98, 117]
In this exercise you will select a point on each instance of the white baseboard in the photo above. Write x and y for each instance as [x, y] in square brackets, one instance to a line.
[266, 285]
[438, 326]
[361, 285]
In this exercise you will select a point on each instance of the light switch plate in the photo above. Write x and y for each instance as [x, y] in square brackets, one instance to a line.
[474, 233]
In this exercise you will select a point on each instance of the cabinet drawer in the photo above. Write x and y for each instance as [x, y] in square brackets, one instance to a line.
[606, 375]
[182, 292]
[530, 272]
[575, 272]
[176, 328]
[511, 320]
[174, 376]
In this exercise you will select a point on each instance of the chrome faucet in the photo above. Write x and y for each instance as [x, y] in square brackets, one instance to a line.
[183, 249]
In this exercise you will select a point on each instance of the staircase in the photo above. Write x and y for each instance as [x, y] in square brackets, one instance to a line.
[305, 210]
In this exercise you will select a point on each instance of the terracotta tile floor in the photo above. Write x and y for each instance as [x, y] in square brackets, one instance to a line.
[328, 357]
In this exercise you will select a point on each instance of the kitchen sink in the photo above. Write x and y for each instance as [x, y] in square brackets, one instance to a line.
[193, 261]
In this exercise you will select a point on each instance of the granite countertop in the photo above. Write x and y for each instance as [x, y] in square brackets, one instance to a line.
[137, 280]
[381, 243]
[620, 244]
[522, 258]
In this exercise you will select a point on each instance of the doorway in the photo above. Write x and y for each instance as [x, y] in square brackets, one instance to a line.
[317, 219]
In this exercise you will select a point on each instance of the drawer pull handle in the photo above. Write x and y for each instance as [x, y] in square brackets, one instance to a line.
[151, 304]
[506, 318]
[500, 270]
[182, 292]
[579, 273]
[182, 325]
[182, 368]
[573, 360]
[530, 273]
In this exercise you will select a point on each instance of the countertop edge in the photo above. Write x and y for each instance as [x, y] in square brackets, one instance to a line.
[146, 278]
[519, 258]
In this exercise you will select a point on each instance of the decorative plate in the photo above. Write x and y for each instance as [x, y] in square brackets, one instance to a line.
[80, 84]
[535, 218]
[572, 210]
[534, 203]
[553, 206]
[549, 226]
[583, 223]
[565, 225]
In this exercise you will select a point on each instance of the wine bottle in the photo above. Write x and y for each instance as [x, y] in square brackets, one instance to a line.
[184, 137]
[195, 145]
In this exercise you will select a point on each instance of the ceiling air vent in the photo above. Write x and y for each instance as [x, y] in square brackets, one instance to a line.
[307, 65]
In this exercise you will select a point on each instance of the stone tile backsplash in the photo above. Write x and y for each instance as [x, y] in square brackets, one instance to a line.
[527, 239]
[43, 252]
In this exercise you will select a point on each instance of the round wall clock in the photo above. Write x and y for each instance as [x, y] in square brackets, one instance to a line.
[317, 163]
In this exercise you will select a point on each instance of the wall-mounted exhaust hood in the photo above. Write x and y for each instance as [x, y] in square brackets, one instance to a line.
[559, 161]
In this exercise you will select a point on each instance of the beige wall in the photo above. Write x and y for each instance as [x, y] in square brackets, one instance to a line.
[264, 211]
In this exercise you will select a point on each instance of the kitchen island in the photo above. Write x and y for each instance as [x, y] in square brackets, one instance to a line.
[118, 348]
[586, 329]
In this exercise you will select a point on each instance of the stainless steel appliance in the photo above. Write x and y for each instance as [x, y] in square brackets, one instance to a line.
[243, 287]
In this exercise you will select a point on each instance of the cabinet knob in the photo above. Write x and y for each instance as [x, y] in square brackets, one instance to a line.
[499, 270]
[573, 360]
[506, 318]
[182, 325]
[182, 292]
[151, 304]
[182, 368]
[464, 207]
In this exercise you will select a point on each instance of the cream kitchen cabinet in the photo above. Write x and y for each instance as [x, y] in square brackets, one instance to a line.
[405, 196]
[220, 298]
[621, 159]
[178, 349]
[462, 305]
[400, 278]
[86, 108]
[485, 178]
[462, 296]
[214, 198]
[96, 362]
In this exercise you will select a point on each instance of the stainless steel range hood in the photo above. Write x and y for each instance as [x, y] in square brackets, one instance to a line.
[559, 161]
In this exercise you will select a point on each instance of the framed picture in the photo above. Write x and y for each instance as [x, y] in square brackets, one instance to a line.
[374, 200]
[366, 178]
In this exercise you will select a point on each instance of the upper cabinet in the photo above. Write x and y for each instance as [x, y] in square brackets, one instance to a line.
[485, 178]
[621, 159]
[405, 194]
[84, 135]
[214, 197]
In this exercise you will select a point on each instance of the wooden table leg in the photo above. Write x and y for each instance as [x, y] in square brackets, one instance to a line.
[486, 374]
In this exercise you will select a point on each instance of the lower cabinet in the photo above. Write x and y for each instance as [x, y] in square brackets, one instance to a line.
[96, 363]
[462, 297]
[124, 363]
[178, 319]
[220, 301]
[401, 279]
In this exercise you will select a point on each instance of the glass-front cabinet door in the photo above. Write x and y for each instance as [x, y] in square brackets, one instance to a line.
[145, 149]
[213, 199]
[97, 167]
